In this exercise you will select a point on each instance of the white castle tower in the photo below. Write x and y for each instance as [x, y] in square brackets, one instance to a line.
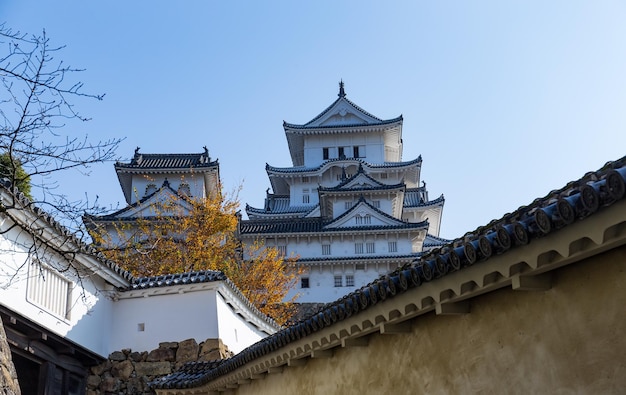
[349, 208]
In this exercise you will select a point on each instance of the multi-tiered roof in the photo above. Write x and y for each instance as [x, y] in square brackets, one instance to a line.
[350, 174]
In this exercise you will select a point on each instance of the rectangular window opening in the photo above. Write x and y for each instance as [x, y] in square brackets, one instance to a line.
[305, 195]
[349, 280]
[304, 282]
[338, 281]
[393, 246]
[49, 290]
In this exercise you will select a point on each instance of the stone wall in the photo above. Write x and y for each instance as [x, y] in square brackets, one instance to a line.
[128, 372]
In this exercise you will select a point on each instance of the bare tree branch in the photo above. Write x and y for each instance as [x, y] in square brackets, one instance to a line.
[37, 123]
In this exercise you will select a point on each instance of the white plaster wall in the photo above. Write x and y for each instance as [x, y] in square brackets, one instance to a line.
[344, 246]
[234, 331]
[322, 283]
[313, 145]
[172, 317]
[90, 309]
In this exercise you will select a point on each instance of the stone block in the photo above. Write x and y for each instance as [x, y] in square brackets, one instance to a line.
[122, 370]
[135, 385]
[161, 354]
[93, 381]
[117, 356]
[168, 345]
[138, 356]
[103, 367]
[187, 351]
[110, 384]
[152, 368]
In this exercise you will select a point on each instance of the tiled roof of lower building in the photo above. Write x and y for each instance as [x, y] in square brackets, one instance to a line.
[191, 374]
[203, 276]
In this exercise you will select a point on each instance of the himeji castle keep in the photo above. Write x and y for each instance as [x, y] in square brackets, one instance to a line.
[350, 209]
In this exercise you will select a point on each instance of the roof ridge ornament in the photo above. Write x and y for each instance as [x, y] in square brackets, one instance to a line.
[207, 158]
[137, 157]
[342, 92]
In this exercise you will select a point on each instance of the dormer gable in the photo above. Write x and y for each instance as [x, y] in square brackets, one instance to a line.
[343, 112]
[360, 181]
[363, 214]
[161, 202]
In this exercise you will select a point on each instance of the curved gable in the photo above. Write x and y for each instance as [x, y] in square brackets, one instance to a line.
[365, 215]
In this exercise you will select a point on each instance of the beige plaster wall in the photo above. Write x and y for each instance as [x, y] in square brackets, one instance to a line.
[567, 340]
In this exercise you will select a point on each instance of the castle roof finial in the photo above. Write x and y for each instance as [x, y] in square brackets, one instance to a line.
[342, 92]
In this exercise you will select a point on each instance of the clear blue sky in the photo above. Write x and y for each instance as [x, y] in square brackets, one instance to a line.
[505, 101]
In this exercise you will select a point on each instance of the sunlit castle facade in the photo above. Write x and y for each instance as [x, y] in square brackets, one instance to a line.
[150, 179]
[349, 208]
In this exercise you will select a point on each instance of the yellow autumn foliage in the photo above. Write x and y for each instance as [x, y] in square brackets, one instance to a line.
[181, 235]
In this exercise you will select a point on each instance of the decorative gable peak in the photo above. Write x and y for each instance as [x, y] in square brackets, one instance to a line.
[341, 113]
[342, 92]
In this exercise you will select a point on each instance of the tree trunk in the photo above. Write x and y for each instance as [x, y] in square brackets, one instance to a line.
[8, 375]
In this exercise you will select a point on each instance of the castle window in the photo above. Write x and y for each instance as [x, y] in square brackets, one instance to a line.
[325, 249]
[305, 179]
[325, 153]
[342, 154]
[47, 289]
[358, 151]
[348, 205]
[393, 246]
[363, 219]
[304, 282]
[376, 203]
[383, 175]
[349, 280]
[370, 248]
[338, 281]
[305, 196]
[358, 248]
[282, 250]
